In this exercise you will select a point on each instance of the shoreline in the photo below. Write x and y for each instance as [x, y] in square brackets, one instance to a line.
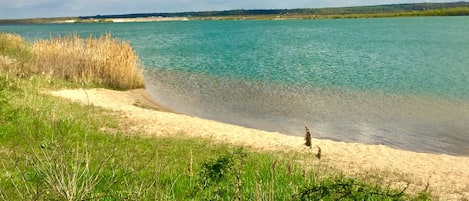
[444, 174]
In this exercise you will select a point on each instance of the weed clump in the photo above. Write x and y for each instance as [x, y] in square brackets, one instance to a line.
[220, 177]
[347, 189]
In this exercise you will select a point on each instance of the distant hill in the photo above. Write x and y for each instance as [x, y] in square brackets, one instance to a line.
[393, 8]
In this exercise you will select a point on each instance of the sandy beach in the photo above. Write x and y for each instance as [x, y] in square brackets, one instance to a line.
[445, 176]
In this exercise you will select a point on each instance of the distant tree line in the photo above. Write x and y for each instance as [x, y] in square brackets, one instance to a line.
[436, 8]
[393, 10]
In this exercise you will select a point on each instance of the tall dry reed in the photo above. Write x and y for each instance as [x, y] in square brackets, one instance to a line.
[15, 54]
[10, 43]
[95, 60]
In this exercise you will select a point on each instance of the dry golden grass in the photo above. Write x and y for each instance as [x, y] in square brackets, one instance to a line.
[102, 61]
[95, 60]
[15, 54]
[10, 41]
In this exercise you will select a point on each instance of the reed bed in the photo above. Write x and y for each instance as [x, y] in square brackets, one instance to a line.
[9, 42]
[15, 53]
[102, 61]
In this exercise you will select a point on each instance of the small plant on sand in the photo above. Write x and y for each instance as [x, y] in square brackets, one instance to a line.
[307, 137]
[308, 143]
[319, 154]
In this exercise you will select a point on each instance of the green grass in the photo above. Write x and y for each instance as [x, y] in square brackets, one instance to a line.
[53, 149]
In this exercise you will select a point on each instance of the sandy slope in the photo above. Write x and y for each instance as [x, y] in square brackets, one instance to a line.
[447, 176]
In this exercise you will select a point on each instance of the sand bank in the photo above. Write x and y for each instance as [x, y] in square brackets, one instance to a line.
[446, 176]
[137, 19]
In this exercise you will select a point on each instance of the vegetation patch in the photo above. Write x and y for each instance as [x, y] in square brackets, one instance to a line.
[58, 150]
[100, 61]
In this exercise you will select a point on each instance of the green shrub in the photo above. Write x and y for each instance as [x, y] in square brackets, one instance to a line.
[220, 178]
[347, 189]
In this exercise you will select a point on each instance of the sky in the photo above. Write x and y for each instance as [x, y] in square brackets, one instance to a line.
[18, 9]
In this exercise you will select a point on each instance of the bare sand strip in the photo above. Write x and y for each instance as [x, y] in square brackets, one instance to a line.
[446, 176]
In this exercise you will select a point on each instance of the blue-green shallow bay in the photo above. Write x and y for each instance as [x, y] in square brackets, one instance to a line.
[403, 82]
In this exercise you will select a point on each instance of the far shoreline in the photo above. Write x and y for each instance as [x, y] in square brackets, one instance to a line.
[374, 11]
[213, 18]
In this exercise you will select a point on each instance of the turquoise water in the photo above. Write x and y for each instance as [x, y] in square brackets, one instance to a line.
[403, 82]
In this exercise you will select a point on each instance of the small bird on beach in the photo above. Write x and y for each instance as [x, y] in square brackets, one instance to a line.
[307, 137]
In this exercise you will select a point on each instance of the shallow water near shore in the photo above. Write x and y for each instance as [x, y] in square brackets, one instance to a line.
[417, 123]
[402, 82]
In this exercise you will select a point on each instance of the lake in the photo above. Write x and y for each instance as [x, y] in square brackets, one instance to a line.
[402, 82]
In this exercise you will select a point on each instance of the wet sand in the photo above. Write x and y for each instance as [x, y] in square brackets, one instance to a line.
[445, 176]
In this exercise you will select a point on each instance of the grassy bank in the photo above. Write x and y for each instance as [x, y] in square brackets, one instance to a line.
[52, 149]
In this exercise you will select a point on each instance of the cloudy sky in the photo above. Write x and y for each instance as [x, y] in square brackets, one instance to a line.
[14, 9]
